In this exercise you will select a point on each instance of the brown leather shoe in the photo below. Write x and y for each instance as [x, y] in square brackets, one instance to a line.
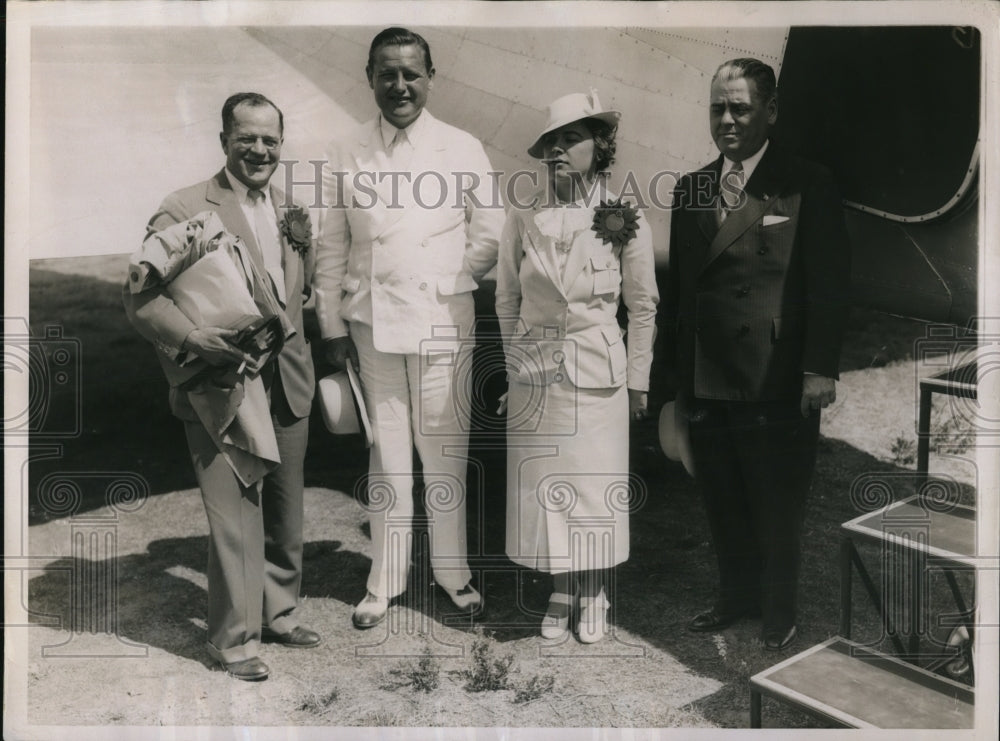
[249, 670]
[297, 637]
[711, 620]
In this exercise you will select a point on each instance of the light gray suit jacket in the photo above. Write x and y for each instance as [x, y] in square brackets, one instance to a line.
[157, 318]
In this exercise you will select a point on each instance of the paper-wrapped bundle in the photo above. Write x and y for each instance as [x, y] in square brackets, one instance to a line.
[198, 289]
[212, 278]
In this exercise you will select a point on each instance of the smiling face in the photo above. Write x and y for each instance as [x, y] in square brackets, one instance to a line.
[738, 119]
[253, 144]
[400, 79]
[569, 154]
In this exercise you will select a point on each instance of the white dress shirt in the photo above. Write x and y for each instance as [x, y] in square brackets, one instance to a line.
[261, 212]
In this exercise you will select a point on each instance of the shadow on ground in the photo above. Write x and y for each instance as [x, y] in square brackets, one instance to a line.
[118, 414]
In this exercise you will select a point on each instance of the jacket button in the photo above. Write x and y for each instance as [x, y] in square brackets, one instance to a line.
[762, 251]
[743, 330]
[423, 286]
[744, 289]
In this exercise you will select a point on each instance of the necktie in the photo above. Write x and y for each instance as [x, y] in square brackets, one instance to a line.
[399, 149]
[267, 240]
[731, 190]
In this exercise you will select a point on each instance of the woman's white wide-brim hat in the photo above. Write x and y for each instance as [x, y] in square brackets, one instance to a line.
[674, 438]
[343, 404]
[570, 108]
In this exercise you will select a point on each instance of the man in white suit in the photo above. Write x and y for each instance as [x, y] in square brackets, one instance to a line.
[410, 227]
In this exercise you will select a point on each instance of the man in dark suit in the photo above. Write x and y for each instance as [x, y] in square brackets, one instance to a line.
[255, 545]
[752, 322]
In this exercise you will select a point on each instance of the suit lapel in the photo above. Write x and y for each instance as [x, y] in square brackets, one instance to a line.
[289, 263]
[542, 250]
[760, 192]
[708, 218]
[583, 242]
[425, 154]
[228, 207]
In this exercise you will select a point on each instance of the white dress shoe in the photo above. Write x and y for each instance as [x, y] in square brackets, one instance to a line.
[593, 623]
[555, 623]
[370, 611]
[466, 599]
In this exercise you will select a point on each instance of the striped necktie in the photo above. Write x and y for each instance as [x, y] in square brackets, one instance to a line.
[267, 240]
[731, 190]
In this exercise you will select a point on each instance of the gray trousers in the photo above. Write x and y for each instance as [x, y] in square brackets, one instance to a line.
[255, 539]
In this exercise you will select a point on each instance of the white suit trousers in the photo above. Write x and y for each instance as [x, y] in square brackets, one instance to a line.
[419, 400]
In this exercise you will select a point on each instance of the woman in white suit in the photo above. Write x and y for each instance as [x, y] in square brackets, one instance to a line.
[565, 265]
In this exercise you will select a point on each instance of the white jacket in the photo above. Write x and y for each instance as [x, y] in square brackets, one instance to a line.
[402, 258]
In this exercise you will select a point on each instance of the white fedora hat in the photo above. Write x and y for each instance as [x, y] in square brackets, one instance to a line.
[343, 404]
[570, 108]
[674, 438]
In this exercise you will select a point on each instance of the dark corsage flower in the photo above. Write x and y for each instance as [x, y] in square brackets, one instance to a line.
[297, 228]
[616, 222]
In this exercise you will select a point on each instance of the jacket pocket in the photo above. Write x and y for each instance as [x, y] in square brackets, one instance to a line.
[607, 276]
[351, 284]
[618, 362]
[787, 326]
[453, 285]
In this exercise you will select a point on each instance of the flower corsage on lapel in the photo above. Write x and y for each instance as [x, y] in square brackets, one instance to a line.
[616, 222]
[297, 228]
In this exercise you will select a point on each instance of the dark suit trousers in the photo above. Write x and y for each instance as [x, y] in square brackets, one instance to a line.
[255, 540]
[753, 464]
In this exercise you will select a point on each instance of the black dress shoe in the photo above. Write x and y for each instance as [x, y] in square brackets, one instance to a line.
[249, 670]
[778, 640]
[714, 619]
[297, 637]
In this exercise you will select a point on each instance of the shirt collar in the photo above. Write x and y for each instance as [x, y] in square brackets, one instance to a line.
[413, 131]
[749, 164]
[242, 190]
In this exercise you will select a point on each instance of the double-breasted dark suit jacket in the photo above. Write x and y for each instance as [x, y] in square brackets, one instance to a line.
[157, 318]
[753, 303]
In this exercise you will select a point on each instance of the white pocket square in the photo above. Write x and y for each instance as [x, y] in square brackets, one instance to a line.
[771, 219]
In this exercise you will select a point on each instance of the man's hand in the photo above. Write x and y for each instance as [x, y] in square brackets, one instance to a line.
[638, 404]
[818, 392]
[339, 350]
[212, 345]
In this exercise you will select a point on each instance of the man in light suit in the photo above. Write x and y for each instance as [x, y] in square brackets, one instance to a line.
[754, 313]
[255, 545]
[410, 227]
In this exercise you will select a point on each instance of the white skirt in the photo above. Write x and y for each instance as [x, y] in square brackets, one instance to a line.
[567, 477]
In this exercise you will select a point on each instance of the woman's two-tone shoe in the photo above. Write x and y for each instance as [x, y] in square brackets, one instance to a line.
[555, 623]
[593, 623]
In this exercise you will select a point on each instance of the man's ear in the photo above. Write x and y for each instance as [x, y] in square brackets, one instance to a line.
[223, 140]
[772, 110]
[368, 74]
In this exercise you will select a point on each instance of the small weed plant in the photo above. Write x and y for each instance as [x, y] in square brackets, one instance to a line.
[489, 672]
[534, 688]
[423, 675]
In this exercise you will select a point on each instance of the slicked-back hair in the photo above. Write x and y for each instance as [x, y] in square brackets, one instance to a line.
[251, 99]
[398, 36]
[752, 69]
